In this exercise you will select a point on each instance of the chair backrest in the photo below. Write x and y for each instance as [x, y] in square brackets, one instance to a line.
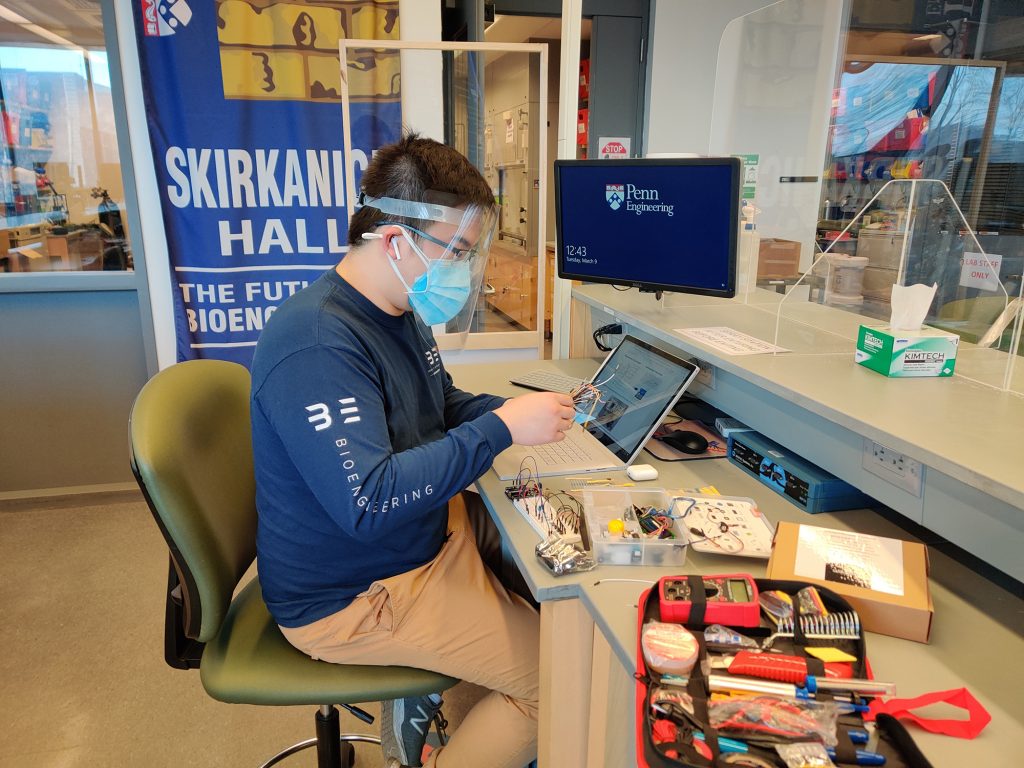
[191, 452]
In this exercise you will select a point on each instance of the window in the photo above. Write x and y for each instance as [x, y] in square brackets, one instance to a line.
[61, 192]
[933, 91]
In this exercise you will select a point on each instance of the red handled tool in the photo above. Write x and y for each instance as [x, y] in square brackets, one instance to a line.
[786, 669]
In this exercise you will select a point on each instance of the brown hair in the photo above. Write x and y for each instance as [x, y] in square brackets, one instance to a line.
[408, 170]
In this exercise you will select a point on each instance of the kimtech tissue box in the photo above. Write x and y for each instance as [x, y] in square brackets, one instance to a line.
[885, 580]
[902, 354]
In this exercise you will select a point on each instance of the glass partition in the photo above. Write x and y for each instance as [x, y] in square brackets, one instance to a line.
[912, 232]
[773, 89]
[61, 194]
[488, 101]
[836, 118]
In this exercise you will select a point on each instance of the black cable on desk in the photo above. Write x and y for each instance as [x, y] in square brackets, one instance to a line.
[606, 330]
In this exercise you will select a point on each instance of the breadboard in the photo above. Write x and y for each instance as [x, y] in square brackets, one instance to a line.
[536, 510]
[533, 508]
[728, 525]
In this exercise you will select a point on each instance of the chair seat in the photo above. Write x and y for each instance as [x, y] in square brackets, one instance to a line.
[250, 662]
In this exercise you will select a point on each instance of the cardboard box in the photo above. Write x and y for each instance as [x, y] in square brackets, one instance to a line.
[885, 580]
[778, 258]
[924, 352]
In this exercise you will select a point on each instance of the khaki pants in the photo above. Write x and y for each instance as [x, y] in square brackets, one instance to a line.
[454, 617]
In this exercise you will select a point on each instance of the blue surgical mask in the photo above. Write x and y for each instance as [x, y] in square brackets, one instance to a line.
[440, 293]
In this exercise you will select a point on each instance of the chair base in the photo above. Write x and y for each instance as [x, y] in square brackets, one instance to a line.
[334, 749]
[347, 757]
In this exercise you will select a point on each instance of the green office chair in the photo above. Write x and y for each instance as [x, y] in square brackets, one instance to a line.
[191, 453]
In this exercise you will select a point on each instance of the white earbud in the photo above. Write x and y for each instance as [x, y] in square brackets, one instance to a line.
[379, 236]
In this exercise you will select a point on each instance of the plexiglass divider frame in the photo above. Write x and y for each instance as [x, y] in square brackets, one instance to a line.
[774, 79]
[774, 74]
[775, 103]
[427, 118]
[912, 231]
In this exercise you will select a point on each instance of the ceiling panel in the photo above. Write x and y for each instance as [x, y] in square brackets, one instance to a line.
[78, 21]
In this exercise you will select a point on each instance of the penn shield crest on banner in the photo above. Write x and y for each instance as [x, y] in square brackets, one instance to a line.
[243, 106]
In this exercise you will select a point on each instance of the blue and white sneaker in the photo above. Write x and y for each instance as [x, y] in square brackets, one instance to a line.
[404, 724]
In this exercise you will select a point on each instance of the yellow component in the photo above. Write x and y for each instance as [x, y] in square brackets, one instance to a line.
[616, 527]
[710, 490]
[830, 654]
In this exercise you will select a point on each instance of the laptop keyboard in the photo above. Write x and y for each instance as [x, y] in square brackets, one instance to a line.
[566, 451]
[547, 381]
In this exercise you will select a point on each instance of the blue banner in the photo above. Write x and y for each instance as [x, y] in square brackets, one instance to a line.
[244, 112]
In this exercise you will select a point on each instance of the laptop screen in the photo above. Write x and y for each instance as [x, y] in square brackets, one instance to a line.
[639, 383]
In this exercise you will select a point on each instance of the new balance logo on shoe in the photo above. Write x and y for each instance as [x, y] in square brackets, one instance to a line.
[404, 724]
[420, 719]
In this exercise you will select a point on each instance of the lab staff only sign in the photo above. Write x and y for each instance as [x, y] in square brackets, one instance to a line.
[244, 111]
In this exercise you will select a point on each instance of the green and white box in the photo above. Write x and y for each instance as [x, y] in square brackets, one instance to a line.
[924, 352]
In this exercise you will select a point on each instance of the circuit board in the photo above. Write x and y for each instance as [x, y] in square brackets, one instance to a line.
[544, 518]
[725, 525]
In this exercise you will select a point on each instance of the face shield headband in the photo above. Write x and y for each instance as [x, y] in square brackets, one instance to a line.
[474, 224]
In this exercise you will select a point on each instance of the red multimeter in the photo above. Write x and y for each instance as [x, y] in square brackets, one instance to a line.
[729, 599]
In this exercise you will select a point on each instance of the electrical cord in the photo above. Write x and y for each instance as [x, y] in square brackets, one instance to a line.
[610, 329]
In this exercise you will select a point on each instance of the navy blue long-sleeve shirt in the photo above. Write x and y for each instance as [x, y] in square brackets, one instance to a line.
[360, 439]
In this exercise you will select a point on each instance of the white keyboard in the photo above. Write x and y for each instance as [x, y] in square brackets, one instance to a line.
[566, 451]
[547, 381]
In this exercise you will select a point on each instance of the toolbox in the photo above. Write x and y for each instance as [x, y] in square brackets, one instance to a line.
[685, 719]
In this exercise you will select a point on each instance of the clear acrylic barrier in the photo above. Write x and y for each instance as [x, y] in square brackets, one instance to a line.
[773, 95]
[488, 101]
[773, 91]
[910, 232]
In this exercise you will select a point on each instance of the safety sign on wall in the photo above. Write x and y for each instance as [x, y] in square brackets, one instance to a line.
[980, 270]
[614, 147]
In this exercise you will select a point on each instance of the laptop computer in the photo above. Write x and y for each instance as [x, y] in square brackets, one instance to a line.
[639, 384]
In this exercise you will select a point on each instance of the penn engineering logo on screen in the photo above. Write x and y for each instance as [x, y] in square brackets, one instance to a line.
[161, 18]
[636, 199]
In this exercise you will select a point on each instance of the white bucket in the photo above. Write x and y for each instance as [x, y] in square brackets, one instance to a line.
[847, 277]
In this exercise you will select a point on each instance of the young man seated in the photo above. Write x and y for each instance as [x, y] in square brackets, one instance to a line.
[363, 446]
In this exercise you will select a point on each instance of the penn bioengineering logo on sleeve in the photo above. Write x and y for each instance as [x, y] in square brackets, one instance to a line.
[164, 17]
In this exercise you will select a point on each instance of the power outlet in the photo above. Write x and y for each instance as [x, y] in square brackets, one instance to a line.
[706, 377]
[893, 467]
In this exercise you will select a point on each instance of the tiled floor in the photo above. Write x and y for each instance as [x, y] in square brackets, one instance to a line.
[82, 677]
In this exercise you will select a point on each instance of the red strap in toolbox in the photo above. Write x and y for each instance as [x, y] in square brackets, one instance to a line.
[978, 716]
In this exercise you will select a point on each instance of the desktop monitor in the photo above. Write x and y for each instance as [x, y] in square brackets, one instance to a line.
[658, 225]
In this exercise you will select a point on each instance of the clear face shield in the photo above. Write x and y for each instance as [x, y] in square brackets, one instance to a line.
[452, 242]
